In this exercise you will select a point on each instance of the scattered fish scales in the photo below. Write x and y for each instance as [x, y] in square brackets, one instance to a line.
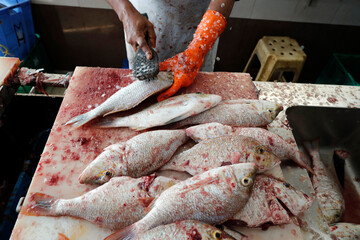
[126, 98]
[185, 230]
[114, 205]
[220, 151]
[168, 111]
[212, 197]
[139, 156]
[238, 112]
[327, 188]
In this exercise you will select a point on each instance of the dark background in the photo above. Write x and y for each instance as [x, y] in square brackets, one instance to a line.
[94, 37]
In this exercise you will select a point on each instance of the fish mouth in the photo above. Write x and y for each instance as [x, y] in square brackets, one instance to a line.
[84, 179]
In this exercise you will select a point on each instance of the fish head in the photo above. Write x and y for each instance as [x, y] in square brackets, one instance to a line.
[268, 110]
[107, 165]
[261, 155]
[245, 174]
[295, 200]
[199, 230]
[216, 234]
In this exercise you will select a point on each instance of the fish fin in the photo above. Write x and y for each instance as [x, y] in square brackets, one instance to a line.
[304, 162]
[127, 233]
[62, 237]
[199, 184]
[151, 205]
[146, 201]
[40, 205]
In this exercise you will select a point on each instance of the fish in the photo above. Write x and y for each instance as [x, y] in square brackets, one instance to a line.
[327, 188]
[139, 156]
[346, 231]
[237, 112]
[114, 205]
[266, 202]
[220, 151]
[185, 230]
[124, 99]
[211, 197]
[165, 112]
[277, 144]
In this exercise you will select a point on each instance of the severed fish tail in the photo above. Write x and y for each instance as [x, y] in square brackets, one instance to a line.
[127, 233]
[40, 205]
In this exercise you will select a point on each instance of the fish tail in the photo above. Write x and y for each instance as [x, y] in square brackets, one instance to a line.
[303, 161]
[80, 120]
[127, 233]
[40, 205]
[312, 147]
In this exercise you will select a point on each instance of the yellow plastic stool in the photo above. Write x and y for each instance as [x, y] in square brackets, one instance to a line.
[277, 55]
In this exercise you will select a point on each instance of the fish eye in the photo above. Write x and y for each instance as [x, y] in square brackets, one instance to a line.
[108, 173]
[270, 110]
[287, 184]
[217, 234]
[260, 150]
[246, 181]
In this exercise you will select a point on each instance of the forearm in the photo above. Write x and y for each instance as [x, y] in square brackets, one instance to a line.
[123, 8]
[222, 6]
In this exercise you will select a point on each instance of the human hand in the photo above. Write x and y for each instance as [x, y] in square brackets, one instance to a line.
[185, 67]
[138, 28]
[187, 64]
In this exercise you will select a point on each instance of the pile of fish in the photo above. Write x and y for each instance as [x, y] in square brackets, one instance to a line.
[328, 192]
[226, 151]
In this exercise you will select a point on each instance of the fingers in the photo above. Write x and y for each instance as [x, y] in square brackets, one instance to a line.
[172, 90]
[152, 35]
[145, 47]
[166, 65]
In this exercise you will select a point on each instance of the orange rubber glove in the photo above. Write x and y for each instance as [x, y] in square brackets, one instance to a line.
[187, 64]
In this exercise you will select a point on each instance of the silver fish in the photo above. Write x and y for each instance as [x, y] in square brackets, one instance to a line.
[346, 231]
[264, 203]
[139, 156]
[239, 112]
[327, 188]
[126, 98]
[114, 205]
[220, 151]
[276, 144]
[170, 110]
[185, 230]
[211, 197]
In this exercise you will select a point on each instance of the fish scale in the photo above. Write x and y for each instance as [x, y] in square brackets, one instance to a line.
[168, 111]
[276, 144]
[139, 156]
[211, 197]
[185, 230]
[264, 203]
[237, 112]
[223, 150]
[126, 98]
[116, 204]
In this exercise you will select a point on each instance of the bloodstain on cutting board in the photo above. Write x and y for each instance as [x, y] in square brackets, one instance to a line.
[67, 153]
[8, 68]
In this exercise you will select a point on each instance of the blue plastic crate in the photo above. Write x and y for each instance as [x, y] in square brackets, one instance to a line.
[17, 35]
